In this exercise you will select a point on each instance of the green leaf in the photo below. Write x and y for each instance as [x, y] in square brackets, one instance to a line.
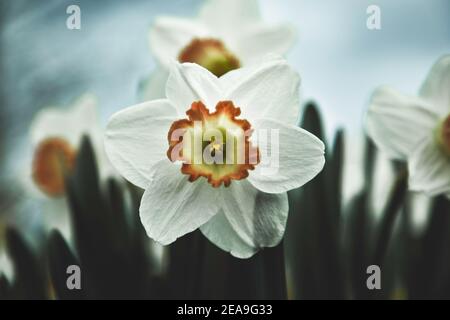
[5, 288]
[109, 246]
[429, 272]
[358, 244]
[29, 278]
[312, 237]
[390, 213]
[185, 268]
[275, 273]
[60, 257]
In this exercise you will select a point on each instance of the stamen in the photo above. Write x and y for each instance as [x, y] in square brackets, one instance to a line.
[54, 158]
[210, 54]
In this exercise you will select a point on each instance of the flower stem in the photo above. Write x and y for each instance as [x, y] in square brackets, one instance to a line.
[390, 213]
[275, 274]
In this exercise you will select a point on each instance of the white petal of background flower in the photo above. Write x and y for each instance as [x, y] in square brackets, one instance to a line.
[436, 87]
[230, 18]
[56, 215]
[69, 123]
[6, 265]
[397, 122]
[189, 82]
[169, 35]
[300, 155]
[429, 169]
[260, 39]
[172, 206]
[236, 23]
[136, 139]
[271, 90]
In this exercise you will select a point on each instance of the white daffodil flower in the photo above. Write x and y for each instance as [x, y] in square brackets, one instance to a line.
[239, 206]
[417, 129]
[56, 135]
[226, 35]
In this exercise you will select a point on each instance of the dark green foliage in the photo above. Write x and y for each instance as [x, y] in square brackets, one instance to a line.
[113, 261]
[60, 257]
[30, 281]
[5, 288]
[312, 238]
[198, 269]
[328, 252]
[394, 204]
[357, 244]
[429, 264]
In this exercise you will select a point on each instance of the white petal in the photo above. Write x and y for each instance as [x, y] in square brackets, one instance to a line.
[86, 108]
[262, 39]
[136, 139]
[270, 91]
[230, 17]
[251, 220]
[219, 231]
[258, 218]
[56, 215]
[172, 206]
[436, 88]
[189, 82]
[68, 123]
[290, 162]
[25, 179]
[429, 169]
[170, 35]
[396, 122]
[155, 86]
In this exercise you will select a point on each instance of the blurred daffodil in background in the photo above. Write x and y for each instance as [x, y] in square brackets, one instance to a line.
[226, 35]
[55, 135]
[417, 129]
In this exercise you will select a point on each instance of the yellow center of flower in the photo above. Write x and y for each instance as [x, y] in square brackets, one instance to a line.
[54, 158]
[210, 54]
[443, 135]
[213, 145]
